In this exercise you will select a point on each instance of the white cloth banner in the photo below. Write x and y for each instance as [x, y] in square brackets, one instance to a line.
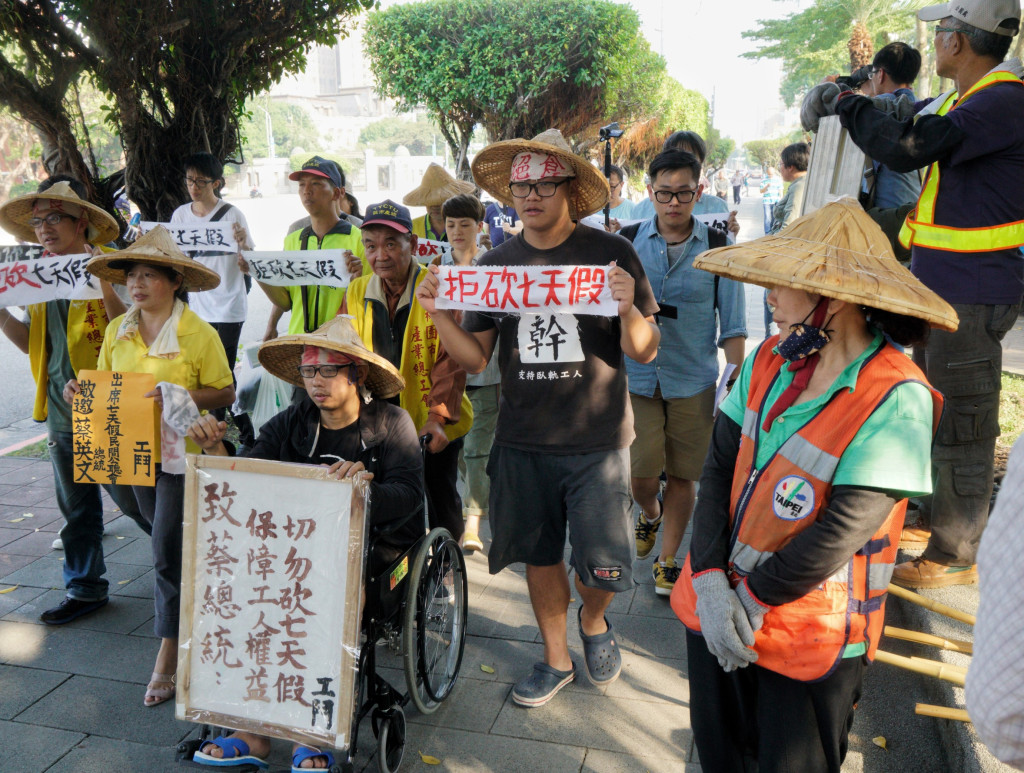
[527, 289]
[299, 267]
[25, 282]
[428, 249]
[20, 252]
[205, 237]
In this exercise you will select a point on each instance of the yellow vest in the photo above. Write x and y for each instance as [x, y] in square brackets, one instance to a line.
[87, 321]
[421, 227]
[920, 229]
[419, 353]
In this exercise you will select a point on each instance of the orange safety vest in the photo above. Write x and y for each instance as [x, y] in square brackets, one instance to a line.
[768, 507]
[920, 228]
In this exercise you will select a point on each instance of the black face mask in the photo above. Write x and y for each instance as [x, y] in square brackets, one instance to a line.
[805, 340]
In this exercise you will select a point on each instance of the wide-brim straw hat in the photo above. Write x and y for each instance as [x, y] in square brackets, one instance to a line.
[15, 214]
[436, 187]
[282, 356]
[837, 251]
[492, 168]
[157, 248]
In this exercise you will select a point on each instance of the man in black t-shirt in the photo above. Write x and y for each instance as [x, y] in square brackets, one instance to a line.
[561, 448]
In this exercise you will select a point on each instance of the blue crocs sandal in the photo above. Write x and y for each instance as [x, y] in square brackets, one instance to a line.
[304, 753]
[601, 654]
[239, 751]
[541, 685]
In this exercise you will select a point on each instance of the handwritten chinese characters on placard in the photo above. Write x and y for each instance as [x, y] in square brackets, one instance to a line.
[114, 428]
[527, 289]
[428, 249]
[9, 254]
[271, 584]
[312, 267]
[38, 280]
[204, 237]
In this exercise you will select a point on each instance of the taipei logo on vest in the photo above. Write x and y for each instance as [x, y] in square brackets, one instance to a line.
[793, 498]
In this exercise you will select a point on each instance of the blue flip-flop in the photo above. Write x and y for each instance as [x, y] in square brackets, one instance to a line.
[601, 653]
[304, 753]
[239, 750]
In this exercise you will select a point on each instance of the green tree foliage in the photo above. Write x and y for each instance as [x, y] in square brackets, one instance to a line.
[291, 126]
[766, 152]
[719, 150]
[516, 68]
[821, 39]
[176, 74]
[421, 137]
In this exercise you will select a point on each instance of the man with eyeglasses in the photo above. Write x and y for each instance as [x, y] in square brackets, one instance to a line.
[561, 448]
[673, 397]
[964, 236]
[793, 163]
[61, 338]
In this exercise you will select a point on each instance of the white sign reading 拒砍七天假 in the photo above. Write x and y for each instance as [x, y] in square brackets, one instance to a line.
[205, 237]
[527, 289]
[295, 267]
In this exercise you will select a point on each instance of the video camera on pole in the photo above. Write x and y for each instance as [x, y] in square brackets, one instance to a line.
[857, 78]
[606, 134]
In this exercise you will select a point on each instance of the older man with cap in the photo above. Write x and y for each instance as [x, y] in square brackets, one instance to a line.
[825, 434]
[61, 338]
[561, 448]
[393, 324]
[964, 236]
[436, 187]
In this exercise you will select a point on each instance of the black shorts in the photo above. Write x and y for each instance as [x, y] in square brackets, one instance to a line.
[535, 496]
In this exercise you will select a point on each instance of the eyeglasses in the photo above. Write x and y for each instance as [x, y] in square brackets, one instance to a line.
[939, 29]
[684, 197]
[197, 182]
[873, 72]
[327, 371]
[51, 219]
[544, 189]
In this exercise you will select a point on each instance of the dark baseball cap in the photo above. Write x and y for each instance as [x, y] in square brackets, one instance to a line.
[390, 214]
[321, 167]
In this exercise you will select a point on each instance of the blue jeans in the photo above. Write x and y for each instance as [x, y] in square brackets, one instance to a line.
[82, 534]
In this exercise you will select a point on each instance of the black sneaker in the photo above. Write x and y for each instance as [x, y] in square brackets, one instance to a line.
[70, 609]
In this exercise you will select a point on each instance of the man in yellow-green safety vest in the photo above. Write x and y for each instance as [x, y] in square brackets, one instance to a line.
[964, 234]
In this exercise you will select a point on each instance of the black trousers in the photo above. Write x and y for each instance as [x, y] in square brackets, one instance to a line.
[441, 474]
[757, 721]
[229, 333]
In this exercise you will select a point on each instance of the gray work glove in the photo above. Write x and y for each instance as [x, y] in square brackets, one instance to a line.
[723, 621]
[819, 102]
[755, 609]
[900, 108]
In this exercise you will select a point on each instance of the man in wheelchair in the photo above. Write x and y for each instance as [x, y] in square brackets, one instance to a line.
[341, 426]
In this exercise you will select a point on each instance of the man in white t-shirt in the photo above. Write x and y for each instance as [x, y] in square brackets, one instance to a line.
[225, 306]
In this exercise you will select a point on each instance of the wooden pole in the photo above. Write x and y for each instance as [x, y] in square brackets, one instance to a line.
[954, 645]
[934, 606]
[953, 669]
[942, 712]
[921, 666]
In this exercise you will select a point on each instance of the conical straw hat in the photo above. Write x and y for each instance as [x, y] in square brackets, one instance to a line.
[436, 187]
[282, 356]
[492, 169]
[157, 248]
[15, 214]
[837, 251]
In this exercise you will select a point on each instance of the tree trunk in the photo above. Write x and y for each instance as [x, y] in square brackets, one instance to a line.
[861, 49]
[924, 80]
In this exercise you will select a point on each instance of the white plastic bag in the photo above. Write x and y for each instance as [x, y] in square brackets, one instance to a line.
[273, 397]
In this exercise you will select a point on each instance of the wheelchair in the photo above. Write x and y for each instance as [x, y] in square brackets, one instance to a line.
[416, 609]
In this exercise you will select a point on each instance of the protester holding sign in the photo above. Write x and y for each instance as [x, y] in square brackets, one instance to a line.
[160, 335]
[825, 434]
[321, 188]
[61, 338]
[348, 426]
[225, 306]
[463, 220]
[560, 454]
[436, 187]
[393, 324]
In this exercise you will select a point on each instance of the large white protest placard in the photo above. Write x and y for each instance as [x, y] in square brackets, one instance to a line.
[527, 289]
[204, 237]
[39, 280]
[294, 267]
[20, 252]
[271, 596]
[428, 249]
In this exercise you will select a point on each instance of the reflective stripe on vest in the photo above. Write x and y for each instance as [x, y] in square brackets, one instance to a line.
[919, 228]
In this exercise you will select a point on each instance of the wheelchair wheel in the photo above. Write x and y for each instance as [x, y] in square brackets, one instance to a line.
[434, 620]
[391, 741]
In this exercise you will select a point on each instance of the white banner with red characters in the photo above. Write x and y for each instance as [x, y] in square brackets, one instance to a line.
[428, 249]
[527, 289]
[39, 280]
